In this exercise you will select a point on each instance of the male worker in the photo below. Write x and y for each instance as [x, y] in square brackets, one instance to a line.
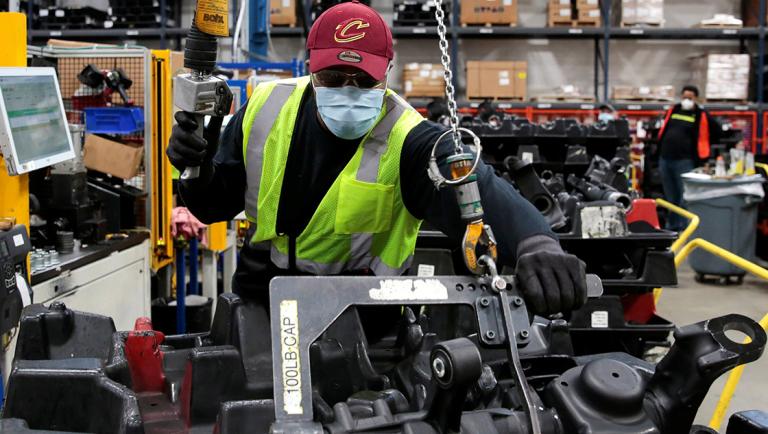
[331, 170]
[684, 141]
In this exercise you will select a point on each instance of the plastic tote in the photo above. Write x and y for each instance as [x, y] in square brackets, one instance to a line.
[728, 212]
[114, 120]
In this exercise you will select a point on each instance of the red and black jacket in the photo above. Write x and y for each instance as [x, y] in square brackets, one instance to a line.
[702, 119]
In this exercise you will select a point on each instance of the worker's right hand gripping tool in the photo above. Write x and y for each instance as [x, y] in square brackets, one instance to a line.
[199, 92]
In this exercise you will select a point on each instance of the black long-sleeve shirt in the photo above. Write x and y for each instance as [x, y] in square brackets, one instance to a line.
[315, 159]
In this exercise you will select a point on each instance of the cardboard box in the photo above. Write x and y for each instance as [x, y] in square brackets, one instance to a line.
[282, 12]
[488, 12]
[644, 93]
[496, 79]
[423, 80]
[588, 13]
[114, 158]
[634, 12]
[722, 76]
[521, 79]
[559, 13]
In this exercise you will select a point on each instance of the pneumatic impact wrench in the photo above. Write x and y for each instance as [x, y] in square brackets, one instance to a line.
[199, 92]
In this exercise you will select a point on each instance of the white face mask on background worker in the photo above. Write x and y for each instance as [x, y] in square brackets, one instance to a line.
[688, 99]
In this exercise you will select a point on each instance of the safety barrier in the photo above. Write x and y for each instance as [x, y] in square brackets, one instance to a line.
[680, 255]
[693, 224]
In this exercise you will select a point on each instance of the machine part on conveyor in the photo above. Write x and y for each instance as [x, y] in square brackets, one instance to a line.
[425, 384]
[593, 192]
[456, 366]
[532, 188]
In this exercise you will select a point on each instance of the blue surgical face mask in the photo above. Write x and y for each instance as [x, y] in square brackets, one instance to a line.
[349, 112]
[605, 117]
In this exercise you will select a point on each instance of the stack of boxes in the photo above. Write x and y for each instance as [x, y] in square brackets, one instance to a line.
[722, 76]
[664, 93]
[573, 13]
[588, 12]
[642, 12]
[488, 12]
[505, 80]
[282, 13]
[559, 12]
[422, 80]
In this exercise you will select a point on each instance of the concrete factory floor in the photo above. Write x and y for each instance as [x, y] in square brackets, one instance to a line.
[692, 302]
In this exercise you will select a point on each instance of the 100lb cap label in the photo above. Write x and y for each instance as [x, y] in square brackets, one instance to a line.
[291, 361]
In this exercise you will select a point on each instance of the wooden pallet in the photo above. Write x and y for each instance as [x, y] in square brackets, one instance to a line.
[488, 25]
[495, 98]
[574, 23]
[640, 25]
[643, 99]
[718, 26]
[563, 98]
[726, 101]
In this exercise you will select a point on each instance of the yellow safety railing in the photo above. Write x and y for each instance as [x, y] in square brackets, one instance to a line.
[730, 388]
[750, 267]
[693, 224]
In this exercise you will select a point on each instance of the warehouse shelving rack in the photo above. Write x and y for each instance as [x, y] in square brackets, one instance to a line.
[602, 36]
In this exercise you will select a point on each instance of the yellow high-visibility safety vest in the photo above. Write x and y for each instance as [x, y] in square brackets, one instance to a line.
[362, 221]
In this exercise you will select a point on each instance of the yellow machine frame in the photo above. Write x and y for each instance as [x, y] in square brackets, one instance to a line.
[14, 190]
[162, 195]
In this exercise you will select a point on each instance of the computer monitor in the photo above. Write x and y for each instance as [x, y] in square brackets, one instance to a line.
[33, 125]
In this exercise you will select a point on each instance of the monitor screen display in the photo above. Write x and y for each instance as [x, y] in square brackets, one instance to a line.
[34, 118]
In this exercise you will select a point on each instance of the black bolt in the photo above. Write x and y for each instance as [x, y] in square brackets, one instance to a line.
[524, 334]
[490, 334]
[485, 302]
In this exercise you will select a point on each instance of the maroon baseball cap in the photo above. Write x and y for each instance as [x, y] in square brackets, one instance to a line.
[350, 34]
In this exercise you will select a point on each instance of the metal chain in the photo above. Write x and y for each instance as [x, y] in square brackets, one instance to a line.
[445, 59]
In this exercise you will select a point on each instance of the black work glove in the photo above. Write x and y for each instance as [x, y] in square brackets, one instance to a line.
[552, 281]
[186, 148]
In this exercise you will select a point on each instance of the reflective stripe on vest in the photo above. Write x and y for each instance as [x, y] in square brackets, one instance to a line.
[360, 257]
[262, 126]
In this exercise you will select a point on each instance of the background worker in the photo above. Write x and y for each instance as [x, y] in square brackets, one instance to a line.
[684, 141]
[294, 159]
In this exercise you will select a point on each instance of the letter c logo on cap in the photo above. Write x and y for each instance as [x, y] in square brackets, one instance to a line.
[345, 32]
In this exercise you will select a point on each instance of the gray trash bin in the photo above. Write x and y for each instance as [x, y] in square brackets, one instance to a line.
[728, 213]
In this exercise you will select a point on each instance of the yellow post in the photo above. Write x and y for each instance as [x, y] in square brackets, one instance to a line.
[14, 190]
[693, 224]
[721, 253]
[217, 237]
[162, 197]
[730, 389]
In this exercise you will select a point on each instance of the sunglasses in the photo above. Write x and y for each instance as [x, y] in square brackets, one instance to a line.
[332, 78]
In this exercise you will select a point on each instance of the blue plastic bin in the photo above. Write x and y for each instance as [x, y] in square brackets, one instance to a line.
[114, 120]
